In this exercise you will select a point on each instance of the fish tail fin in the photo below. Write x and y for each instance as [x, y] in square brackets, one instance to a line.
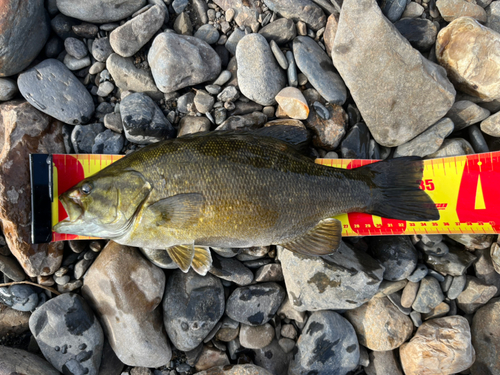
[398, 194]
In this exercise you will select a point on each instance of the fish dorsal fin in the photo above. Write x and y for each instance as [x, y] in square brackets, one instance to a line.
[323, 239]
[176, 211]
[182, 255]
[202, 260]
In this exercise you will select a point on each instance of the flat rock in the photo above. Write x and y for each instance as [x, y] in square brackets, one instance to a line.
[23, 32]
[255, 304]
[440, 346]
[178, 61]
[452, 147]
[396, 254]
[192, 306]
[464, 113]
[18, 361]
[231, 270]
[379, 325]
[125, 291]
[429, 295]
[368, 57]
[281, 31]
[51, 88]
[25, 130]
[343, 280]
[475, 295]
[247, 369]
[315, 64]
[427, 142]
[128, 77]
[68, 334]
[485, 333]
[328, 344]
[452, 9]
[300, 10]
[260, 78]
[130, 37]
[143, 121]
[291, 100]
[99, 11]
[421, 33]
[463, 49]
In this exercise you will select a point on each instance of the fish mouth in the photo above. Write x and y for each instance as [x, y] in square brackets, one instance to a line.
[75, 214]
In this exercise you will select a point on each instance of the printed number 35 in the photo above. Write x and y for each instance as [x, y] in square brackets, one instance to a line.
[427, 185]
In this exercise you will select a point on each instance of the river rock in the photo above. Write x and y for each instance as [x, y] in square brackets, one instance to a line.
[68, 334]
[128, 77]
[491, 125]
[178, 61]
[101, 49]
[452, 9]
[300, 10]
[20, 297]
[440, 346]
[493, 16]
[99, 11]
[255, 304]
[455, 263]
[8, 89]
[51, 88]
[343, 280]
[211, 357]
[485, 339]
[260, 78]
[328, 344]
[382, 363]
[485, 267]
[474, 241]
[256, 337]
[143, 121]
[18, 361]
[273, 358]
[248, 369]
[368, 57]
[464, 48]
[83, 137]
[23, 32]
[293, 103]
[25, 130]
[427, 142]
[125, 291]
[192, 306]
[231, 270]
[379, 325]
[208, 33]
[464, 113]
[421, 33]
[475, 295]
[429, 295]
[319, 70]
[396, 254]
[452, 147]
[13, 322]
[246, 12]
[281, 31]
[130, 37]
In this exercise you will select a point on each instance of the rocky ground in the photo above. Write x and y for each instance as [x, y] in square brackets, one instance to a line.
[367, 79]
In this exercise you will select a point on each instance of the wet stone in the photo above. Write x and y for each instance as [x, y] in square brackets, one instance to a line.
[19, 297]
[379, 324]
[192, 306]
[328, 344]
[455, 263]
[475, 295]
[79, 334]
[429, 295]
[396, 254]
[256, 304]
[83, 137]
[464, 113]
[281, 31]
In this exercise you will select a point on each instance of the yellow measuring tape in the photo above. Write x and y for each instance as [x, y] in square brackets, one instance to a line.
[464, 189]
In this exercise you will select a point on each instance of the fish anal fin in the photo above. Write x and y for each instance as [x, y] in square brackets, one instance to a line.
[182, 255]
[202, 260]
[323, 239]
[177, 211]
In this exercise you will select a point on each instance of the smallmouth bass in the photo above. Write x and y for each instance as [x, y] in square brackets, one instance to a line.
[236, 189]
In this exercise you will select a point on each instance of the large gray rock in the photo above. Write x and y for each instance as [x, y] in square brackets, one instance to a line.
[397, 254]
[389, 80]
[319, 70]
[343, 280]
[260, 78]
[18, 361]
[178, 61]
[281, 31]
[128, 77]
[192, 306]
[125, 291]
[299, 10]
[327, 345]
[129, 38]
[99, 11]
[68, 334]
[23, 33]
[51, 88]
[485, 332]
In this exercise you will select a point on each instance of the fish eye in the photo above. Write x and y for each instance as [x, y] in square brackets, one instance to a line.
[86, 188]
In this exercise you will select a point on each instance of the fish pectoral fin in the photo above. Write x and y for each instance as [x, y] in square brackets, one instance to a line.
[202, 260]
[178, 210]
[182, 255]
[323, 239]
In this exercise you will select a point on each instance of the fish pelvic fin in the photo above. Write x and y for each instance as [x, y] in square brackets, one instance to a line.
[323, 239]
[396, 190]
[182, 255]
[202, 260]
